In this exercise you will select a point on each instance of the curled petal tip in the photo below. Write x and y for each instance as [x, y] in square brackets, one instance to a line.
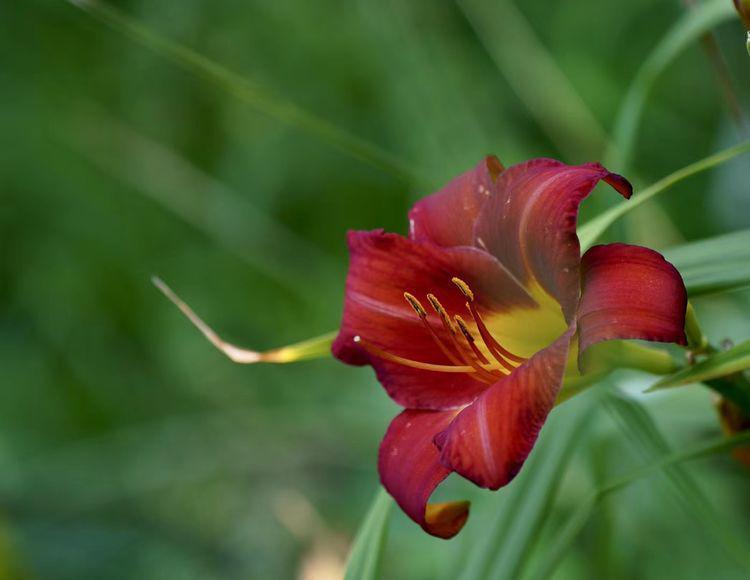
[620, 184]
[445, 520]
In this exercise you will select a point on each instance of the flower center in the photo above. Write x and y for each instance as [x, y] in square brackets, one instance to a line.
[482, 357]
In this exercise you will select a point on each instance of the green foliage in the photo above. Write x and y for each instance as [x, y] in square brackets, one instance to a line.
[592, 230]
[695, 23]
[503, 550]
[714, 265]
[718, 365]
[581, 515]
[219, 145]
[367, 550]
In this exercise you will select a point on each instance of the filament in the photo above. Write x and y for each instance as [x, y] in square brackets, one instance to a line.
[462, 349]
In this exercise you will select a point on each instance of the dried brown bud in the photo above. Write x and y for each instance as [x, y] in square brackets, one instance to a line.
[743, 7]
[733, 421]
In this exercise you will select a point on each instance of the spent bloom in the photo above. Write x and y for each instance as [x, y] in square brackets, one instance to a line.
[474, 320]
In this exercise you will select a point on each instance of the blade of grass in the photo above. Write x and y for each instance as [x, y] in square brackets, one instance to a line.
[719, 365]
[640, 428]
[248, 91]
[367, 551]
[591, 230]
[505, 33]
[721, 72]
[688, 29]
[576, 523]
[504, 549]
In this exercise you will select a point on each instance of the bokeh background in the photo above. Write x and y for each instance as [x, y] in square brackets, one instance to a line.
[130, 448]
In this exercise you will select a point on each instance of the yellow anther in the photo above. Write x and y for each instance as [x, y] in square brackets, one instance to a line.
[464, 288]
[416, 305]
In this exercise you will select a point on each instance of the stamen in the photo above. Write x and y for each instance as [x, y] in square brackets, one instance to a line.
[495, 372]
[422, 313]
[498, 351]
[374, 350]
[495, 347]
[464, 288]
[484, 375]
[442, 313]
[416, 305]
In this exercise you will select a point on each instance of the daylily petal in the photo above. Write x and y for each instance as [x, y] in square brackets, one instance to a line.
[447, 217]
[630, 292]
[410, 469]
[490, 439]
[529, 223]
[383, 267]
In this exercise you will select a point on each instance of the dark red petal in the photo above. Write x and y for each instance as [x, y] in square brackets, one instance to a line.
[630, 292]
[529, 223]
[490, 439]
[410, 469]
[382, 267]
[447, 217]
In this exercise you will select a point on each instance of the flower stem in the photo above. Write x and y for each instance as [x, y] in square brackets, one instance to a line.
[697, 341]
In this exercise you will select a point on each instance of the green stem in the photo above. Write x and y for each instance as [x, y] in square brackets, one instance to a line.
[697, 341]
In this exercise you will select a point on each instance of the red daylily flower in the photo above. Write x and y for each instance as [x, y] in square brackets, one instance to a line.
[474, 320]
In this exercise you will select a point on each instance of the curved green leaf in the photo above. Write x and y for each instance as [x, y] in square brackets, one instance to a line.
[693, 24]
[576, 523]
[719, 365]
[643, 432]
[365, 555]
[713, 265]
[591, 230]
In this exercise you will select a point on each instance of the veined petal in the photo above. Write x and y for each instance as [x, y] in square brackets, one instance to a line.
[447, 217]
[490, 439]
[410, 469]
[529, 223]
[630, 292]
[384, 266]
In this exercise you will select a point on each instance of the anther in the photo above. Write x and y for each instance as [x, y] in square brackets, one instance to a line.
[464, 328]
[416, 305]
[441, 312]
[422, 313]
[472, 344]
[464, 288]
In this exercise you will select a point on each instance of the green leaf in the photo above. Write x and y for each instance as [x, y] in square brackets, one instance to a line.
[688, 29]
[725, 363]
[367, 550]
[504, 549]
[642, 431]
[537, 79]
[714, 265]
[249, 92]
[591, 230]
[576, 523]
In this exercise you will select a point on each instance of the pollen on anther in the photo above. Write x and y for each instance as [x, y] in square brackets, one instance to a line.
[464, 328]
[464, 288]
[415, 304]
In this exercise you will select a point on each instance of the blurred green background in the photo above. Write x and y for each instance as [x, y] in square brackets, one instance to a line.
[130, 448]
